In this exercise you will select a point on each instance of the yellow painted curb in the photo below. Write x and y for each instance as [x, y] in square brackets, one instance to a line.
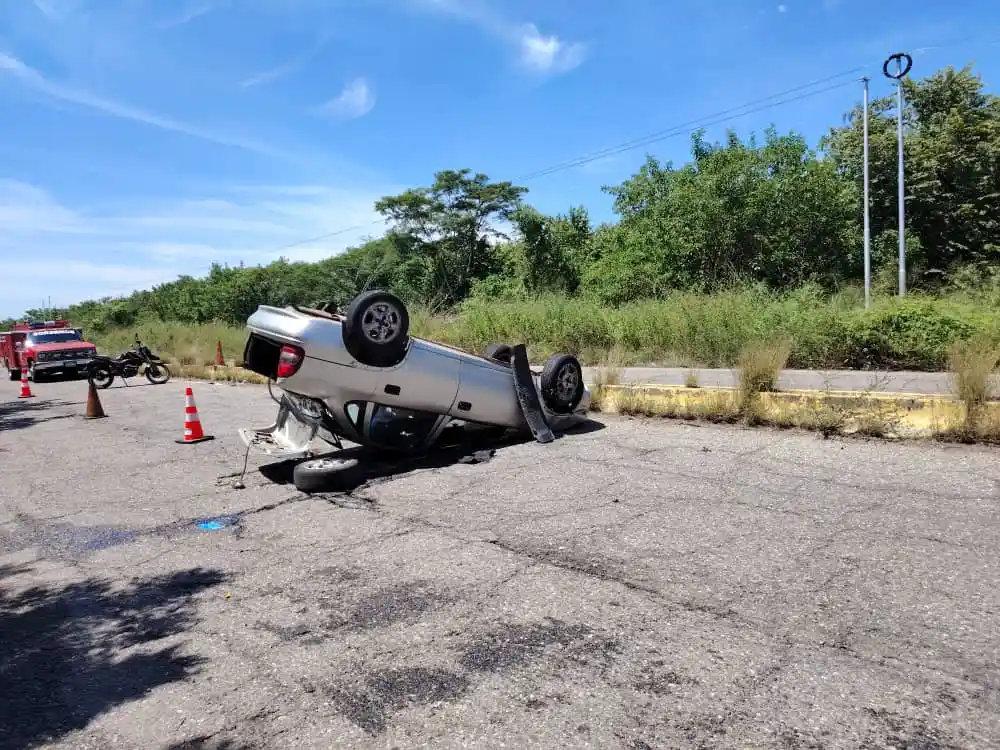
[882, 414]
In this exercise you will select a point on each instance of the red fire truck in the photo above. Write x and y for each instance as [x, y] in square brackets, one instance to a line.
[45, 348]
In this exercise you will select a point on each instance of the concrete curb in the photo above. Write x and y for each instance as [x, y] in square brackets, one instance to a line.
[845, 412]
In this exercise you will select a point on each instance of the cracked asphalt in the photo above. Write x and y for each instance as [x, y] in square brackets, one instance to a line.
[636, 585]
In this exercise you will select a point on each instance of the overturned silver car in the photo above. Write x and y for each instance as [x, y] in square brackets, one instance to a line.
[360, 377]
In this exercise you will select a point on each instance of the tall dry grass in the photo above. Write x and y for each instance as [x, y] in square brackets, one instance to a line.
[973, 365]
[682, 329]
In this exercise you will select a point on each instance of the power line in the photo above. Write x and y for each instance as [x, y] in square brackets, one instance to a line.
[680, 130]
[691, 125]
[732, 113]
[326, 236]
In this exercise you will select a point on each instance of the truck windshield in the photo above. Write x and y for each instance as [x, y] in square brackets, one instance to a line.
[53, 337]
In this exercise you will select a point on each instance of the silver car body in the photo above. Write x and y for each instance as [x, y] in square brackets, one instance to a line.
[439, 383]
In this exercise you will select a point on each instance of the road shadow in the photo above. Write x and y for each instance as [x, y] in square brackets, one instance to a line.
[456, 445]
[72, 652]
[20, 413]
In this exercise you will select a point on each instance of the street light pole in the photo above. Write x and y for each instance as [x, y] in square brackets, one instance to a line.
[867, 211]
[901, 71]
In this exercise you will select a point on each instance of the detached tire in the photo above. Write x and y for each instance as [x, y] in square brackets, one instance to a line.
[376, 329]
[499, 352]
[320, 474]
[562, 383]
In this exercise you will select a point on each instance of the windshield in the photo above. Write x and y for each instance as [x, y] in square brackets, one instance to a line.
[53, 337]
[393, 427]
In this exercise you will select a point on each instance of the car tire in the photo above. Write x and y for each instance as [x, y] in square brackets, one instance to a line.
[562, 383]
[319, 474]
[499, 353]
[376, 329]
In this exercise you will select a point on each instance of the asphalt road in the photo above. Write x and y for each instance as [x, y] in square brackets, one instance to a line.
[819, 380]
[638, 585]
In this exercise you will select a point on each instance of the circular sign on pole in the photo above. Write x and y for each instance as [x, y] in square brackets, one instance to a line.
[901, 68]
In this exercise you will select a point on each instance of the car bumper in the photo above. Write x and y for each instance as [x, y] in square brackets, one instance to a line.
[63, 367]
[287, 438]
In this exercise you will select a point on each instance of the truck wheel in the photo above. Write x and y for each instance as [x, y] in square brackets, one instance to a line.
[499, 352]
[376, 329]
[319, 474]
[562, 383]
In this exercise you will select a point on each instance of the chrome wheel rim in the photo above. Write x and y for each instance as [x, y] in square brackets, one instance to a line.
[381, 322]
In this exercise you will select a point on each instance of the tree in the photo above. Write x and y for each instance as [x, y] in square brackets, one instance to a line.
[451, 224]
[952, 171]
[773, 213]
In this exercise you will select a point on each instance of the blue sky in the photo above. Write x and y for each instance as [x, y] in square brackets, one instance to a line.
[142, 139]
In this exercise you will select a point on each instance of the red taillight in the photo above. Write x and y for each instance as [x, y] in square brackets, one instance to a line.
[289, 361]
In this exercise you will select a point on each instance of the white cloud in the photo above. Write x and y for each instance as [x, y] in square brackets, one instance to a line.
[192, 12]
[549, 54]
[272, 75]
[35, 81]
[356, 100]
[546, 55]
[782, 8]
[48, 248]
[280, 71]
[57, 10]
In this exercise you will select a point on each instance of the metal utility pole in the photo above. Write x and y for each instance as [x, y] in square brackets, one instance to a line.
[867, 212]
[901, 71]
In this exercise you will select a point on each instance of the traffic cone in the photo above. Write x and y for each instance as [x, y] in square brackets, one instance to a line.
[219, 360]
[192, 424]
[25, 387]
[94, 408]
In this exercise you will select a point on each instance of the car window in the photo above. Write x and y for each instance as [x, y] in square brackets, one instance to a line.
[399, 428]
[353, 411]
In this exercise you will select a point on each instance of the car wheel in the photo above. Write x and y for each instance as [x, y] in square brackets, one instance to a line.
[562, 383]
[499, 352]
[376, 329]
[318, 474]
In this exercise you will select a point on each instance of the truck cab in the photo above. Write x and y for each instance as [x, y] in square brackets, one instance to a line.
[45, 348]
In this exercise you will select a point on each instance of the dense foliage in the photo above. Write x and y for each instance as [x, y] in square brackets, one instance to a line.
[773, 213]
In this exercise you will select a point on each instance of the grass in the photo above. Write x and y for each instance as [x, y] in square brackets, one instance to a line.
[685, 329]
[973, 365]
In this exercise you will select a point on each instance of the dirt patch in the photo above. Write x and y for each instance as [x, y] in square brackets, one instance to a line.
[509, 645]
[657, 679]
[392, 690]
[404, 603]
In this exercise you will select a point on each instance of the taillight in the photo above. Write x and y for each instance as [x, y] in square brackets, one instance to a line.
[289, 361]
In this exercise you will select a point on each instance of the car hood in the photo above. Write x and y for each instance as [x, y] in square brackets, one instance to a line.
[63, 346]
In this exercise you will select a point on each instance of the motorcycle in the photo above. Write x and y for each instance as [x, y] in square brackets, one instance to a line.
[102, 370]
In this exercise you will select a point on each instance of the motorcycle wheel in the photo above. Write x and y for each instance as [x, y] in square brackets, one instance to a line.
[101, 377]
[157, 374]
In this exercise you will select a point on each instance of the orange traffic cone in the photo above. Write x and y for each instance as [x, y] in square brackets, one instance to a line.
[192, 424]
[219, 360]
[94, 408]
[25, 388]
